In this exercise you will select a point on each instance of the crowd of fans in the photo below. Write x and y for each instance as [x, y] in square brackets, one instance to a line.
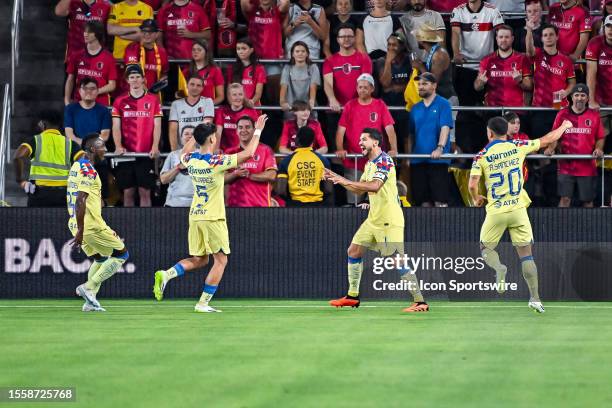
[425, 57]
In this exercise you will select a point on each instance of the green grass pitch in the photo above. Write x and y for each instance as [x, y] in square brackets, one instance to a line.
[276, 353]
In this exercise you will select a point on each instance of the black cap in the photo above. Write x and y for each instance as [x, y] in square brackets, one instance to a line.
[427, 76]
[133, 69]
[149, 25]
[578, 88]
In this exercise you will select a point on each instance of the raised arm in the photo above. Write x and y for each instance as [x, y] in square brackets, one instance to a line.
[247, 153]
[555, 135]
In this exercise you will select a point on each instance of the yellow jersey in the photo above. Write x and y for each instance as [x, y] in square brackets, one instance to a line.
[385, 205]
[83, 177]
[501, 164]
[206, 171]
[127, 16]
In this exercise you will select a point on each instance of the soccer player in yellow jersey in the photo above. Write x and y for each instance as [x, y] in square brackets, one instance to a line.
[87, 226]
[207, 227]
[501, 164]
[383, 230]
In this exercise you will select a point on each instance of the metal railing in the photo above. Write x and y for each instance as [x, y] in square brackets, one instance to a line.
[16, 19]
[5, 133]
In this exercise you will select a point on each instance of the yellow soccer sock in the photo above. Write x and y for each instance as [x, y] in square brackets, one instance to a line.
[106, 270]
[207, 293]
[413, 285]
[95, 265]
[175, 271]
[355, 269]
[530, 273]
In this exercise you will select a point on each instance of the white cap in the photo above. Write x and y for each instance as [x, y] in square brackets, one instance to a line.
[366, 77]
[608, 20]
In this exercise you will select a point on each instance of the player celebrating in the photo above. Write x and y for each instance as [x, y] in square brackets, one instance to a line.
[383, 231]
[84, 196]
[501, 163]
[207, 227]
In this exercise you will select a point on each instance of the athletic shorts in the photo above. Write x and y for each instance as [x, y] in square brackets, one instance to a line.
[516, 222]
[566, 185]
[102, 242]
[386, 240]
[136, 173]
[208, 237]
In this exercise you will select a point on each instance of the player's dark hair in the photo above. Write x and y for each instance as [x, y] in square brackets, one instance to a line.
[510, 116]
[203, 131]
[246, 117]
[345, 26]
[305, 136]
[498, 126]
[51, 118]
[547, 25]
[86, 81]
[97, 28]
[374, 134]
[88, 141]
[300, 106]
[504, 27]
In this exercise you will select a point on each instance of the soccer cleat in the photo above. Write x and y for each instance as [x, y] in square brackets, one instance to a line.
[159, 285]
[417, 307]
[345, 301]
[536, 306]
[87, 307]
[86, 294]
[500, 278]
[205, 309]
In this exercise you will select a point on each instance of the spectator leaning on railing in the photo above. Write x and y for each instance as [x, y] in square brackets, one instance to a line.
[180, 190]
[288, 140]
[585, 137]
[192, 110]
[250, 185]
[136, 128]
[50, 155]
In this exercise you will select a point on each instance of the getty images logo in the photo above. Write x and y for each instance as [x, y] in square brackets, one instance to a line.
[21, 257]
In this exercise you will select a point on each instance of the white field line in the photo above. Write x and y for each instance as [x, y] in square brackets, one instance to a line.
[434, 306]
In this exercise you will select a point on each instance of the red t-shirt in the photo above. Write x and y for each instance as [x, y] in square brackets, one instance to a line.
[155, 4]
[210, 9]
[151, 63]
[550, 74]
[580, 139]
[601, 52]
[265, 31]
[171, 17]
[227, 118]
[226, 37]
[501, 88]
[79, 14]
[346, 70]
[570, 22]
[100, 67]
[137, 120]
[444, 6]
[356, 117]
[289, 135]
[251, 76]
[212, 77]
[245, 192]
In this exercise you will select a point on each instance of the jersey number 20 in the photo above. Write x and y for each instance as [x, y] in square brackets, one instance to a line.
[513, 189]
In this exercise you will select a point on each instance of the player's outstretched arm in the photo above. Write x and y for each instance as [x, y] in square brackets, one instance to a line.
[555, 135]
[358, 187]
[247, 153]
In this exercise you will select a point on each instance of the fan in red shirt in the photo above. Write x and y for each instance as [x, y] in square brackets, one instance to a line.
[585, 137]
[250, 185]
[599, 67]
[506, 73]
[181, 22]
[203, 64]
[288, 140]
[136, 128]
[155, 4]
[514, 133]
[95, 62]
[248, 71]
[574, 24]
[444, 6]
[226, 117]
[265, 25]
[80, 12]
[358, 114]
[151, 57]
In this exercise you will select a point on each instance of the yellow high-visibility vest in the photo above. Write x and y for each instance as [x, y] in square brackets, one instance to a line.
[51, 161]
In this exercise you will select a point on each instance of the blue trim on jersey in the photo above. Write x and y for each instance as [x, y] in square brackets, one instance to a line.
[83, 159]
[354, 260]
[180, 271]
[210, 289]
[493, 143]
[527, 258]
[199, 156]
[374, 160]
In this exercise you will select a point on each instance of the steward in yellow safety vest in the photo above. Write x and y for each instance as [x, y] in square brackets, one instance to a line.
[50, 155]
